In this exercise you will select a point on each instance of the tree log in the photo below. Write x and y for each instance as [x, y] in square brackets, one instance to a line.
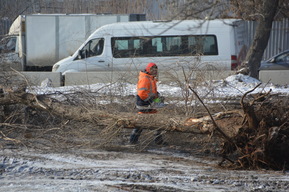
[121, 119]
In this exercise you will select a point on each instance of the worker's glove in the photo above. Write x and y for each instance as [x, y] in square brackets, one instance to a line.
[159, 100]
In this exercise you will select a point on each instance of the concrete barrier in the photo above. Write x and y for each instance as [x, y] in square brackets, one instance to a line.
[195, 76]
[88, 78]
[36, 78]
[278, 77]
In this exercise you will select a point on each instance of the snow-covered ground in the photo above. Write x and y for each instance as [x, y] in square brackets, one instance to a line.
[232, 86]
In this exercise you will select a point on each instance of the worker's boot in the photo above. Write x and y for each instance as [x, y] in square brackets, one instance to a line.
[134, 136]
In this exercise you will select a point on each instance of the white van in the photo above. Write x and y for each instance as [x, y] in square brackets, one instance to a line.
[123, 47]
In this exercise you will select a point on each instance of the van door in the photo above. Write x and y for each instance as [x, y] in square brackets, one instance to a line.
[92, 57]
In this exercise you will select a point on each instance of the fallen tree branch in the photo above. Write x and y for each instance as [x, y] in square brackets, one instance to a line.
[213, 121]
[8, 138]
[72, 112]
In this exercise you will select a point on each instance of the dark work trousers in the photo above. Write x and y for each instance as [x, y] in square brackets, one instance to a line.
[135, 134]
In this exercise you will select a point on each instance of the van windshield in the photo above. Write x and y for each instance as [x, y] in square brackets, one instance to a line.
[162, 46]
[93, 48]
[8, 44]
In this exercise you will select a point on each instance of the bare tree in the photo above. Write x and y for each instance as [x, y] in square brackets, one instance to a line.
[262, 35]
[13, 8]
[264, 11]
[194, 9]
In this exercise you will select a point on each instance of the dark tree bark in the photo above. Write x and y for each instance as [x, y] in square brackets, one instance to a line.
[255, 53]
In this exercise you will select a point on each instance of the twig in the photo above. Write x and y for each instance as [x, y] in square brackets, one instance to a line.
[243, 97]
[214, 122]
[8, 139]
[23, 76]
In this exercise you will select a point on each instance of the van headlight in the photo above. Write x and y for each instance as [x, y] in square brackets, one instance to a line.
[54, 68]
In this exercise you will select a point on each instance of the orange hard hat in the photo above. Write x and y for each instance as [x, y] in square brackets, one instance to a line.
[149, 66]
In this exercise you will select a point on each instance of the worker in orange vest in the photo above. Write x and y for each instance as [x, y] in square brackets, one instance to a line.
[146, 99]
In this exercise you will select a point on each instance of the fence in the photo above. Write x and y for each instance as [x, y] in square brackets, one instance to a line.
[4, 26]
[279, 37]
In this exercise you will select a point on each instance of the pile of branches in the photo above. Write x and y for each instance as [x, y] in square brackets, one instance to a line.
[263, 139]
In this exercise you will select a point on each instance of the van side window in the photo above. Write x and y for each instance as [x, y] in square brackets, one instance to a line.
[162, 46]
[93, 48]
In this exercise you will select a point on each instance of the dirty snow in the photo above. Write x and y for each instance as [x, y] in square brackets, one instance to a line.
[235, 85]
[81, 170]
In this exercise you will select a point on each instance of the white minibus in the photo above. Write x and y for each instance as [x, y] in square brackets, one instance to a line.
[172, 45]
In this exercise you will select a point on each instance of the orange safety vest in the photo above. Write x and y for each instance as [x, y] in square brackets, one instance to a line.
[147, 86]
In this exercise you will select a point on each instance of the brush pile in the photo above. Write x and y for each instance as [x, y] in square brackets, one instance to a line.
[262, 141]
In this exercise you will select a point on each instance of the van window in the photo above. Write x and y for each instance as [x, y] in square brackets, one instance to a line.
[162, 46]
[8, 44]
[93, 48]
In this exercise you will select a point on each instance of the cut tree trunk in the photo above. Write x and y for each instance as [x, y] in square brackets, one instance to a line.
[125, 120]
